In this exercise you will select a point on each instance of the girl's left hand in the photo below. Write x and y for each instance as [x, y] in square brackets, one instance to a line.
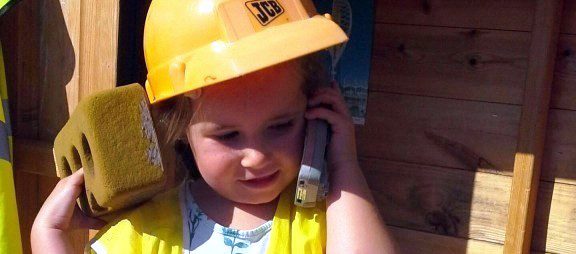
[59, 211]
[342, 147]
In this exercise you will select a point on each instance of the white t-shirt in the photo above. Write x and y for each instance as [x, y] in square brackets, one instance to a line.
[203, 235]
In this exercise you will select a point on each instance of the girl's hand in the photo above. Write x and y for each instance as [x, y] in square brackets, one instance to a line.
[59, 215]
[342, 148]
[349, 196]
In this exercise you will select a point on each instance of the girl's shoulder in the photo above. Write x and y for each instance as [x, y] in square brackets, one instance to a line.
[155, 224]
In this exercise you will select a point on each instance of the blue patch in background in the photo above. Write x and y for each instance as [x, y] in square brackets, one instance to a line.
[353, 64]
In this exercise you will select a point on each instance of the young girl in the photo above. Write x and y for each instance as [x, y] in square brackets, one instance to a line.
[246, 134]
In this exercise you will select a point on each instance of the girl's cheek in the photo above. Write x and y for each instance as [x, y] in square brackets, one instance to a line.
[291, 145]
[211, 151]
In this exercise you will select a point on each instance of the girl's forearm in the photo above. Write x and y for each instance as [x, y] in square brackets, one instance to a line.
[354, 224]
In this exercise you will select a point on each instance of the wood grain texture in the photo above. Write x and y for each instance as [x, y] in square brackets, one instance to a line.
[490, 14]
[27, 198]
[569, 17]
[470, 64]
[56, 53]
[399, 127]
[20, 28]
[438, 200]
[564, 86]
[532, 130]
[98, 45]
[465, 204]
[58, 62]
[34, 157]
[402, 128]
[559, 161]
[417, 242]
[71, 11]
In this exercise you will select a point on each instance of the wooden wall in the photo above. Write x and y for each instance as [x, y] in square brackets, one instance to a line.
[57, 52]
[444, 107]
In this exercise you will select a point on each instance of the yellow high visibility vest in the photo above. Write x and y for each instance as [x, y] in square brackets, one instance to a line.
[10, 241]
[294, 229]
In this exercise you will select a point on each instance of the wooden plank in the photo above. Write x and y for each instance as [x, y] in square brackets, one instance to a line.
[61, 51]
[569, 17]
[438, 200]
[401, 128]
[397, 125]
[95, 26]
[57, 69]
[531, 135]
[35, 157]
[417, 242]
[465, 204]
[21, 27]
[93, 33]
[98, 46]
[26, 186]
[560, 148]
[490, 14]
[564, 87]
[554, 220]
[470, 64]
[71, 10]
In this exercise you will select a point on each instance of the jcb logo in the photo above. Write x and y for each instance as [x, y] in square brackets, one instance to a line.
[265, 11]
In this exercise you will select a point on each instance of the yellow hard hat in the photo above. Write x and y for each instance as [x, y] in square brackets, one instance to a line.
[189, 44]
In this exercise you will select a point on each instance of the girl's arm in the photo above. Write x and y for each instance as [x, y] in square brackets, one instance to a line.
[354, 224]
[59, 216]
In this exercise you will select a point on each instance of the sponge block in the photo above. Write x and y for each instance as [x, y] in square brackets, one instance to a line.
[111, 135]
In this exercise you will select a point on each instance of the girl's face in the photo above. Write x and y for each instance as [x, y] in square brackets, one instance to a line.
[247, 134]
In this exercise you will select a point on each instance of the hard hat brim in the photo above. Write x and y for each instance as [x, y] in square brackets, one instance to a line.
[221, 61]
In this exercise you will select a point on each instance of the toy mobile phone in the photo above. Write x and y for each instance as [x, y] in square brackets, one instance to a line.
[312, 184]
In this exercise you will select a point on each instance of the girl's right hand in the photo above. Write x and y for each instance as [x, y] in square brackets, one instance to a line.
[59, 215]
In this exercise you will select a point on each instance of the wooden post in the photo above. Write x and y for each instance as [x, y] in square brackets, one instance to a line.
[532, 129]
[58, 52]
[93, 29]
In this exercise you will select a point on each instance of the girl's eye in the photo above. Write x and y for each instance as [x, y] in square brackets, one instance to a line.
[282, 126]
[227, 136]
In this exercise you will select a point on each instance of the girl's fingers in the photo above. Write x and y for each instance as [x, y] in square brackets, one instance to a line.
[57, 210]
[332, 98]
[77, 178]
[338, 123]
[69, 188]
[82, 221]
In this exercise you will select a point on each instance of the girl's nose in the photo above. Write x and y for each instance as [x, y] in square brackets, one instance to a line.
[254, 158]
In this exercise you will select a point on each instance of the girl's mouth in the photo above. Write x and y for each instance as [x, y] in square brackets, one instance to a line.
[262, 181]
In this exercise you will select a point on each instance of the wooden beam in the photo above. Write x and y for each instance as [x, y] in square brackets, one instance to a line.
[489, 14]
[532, 129]
[34, 157]
[93, 27]
[466, 204]
[416, 242]
[446, 62]
[401, 128]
